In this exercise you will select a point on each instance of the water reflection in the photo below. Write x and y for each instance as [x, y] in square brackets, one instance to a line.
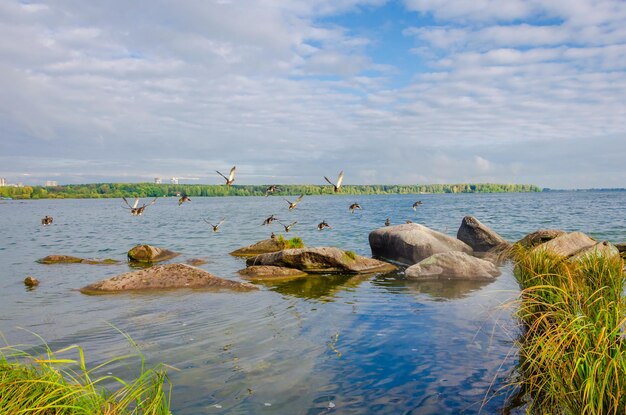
[437, 289]
[323, 287]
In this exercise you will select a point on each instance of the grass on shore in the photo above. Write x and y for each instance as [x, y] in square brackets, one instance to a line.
[572, 353]
[54, 385]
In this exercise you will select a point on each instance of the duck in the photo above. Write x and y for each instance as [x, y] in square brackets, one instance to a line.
[183, 199]
[288, 227]
[416, 204]
[271, 189]
[231, 176]
[336, 187]
[323, 225]
[354, 206]
[269, 220]
[47, 220]
[387, 222]
[295, 203]
[216, 228]
[135, 209]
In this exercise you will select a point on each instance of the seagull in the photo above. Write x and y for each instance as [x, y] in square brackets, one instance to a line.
[47, 220]
[287, 227]
[387, 222]
[354, 206]
[323, 225]
[336, 187]
[295, 203]
[416, 204]
[135, 209]
[271, 189]
[183, 199]
[231, 177]
[216, 228]
[269, 220]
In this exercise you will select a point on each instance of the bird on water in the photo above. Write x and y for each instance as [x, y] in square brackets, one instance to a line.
[231, 177]
[323, 225]
[46, 220]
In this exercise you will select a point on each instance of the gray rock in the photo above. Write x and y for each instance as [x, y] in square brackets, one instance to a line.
[411, 242]
[539, 237]
[621, 247]
[262, 247]
[270, 272]
[165, 277]
[568, 244]
[605, 249]
[149, 254]
[453, 265]
[323, 259]
[478, 235]
[67, 259]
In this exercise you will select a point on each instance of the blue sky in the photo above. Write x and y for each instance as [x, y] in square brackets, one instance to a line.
[412, 91]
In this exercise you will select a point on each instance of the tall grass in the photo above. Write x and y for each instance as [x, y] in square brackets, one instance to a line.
[54, 384]
[572, 354]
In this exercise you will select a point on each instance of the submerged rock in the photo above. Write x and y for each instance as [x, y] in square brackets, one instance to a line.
[31, 281]
[165, 277]
[149, 253]
[323, 259]
[568, 244]
[411, 242]
[539, 237]
[67, 259]
[478, 235]
[196, 261]
[454, 266]
[270, 272]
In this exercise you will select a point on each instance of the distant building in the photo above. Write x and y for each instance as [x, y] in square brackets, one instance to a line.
[51, 183]
[157, 180]
[174, 180]
[3, 181]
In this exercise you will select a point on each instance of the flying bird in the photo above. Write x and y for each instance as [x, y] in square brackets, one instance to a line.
[295, 203]
[354, 206]
[271, 189]
[47, 220]
[269, 220]
[336, 187]
[231, 177]
[387, 222]
[323, 225]
[287, 227]
[183, 199]
[216, 228]
[416, 205]
[135, 209]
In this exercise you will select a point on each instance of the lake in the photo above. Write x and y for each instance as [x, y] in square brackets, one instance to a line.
[329, 344]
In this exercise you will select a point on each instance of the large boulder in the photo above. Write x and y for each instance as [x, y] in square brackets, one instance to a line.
[604, 249]
[149, 253]
[165, 277]
[324, 259]
[271, 273]
[453, 265]
[539, 237]
[411, 242]
[262, 247]
[567, 244]
[67, 259]
[478, 235]
[621, 247]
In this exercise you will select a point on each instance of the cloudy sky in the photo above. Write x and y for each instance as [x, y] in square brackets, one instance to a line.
[411, 91]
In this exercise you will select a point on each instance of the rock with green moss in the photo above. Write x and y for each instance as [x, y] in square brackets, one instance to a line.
[167, 276]
[149, 254]
[322, 259]
[269, 245]
[453, 265]
[67, 259]
[271, 273]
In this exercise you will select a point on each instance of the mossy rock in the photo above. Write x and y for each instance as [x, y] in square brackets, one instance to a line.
[67, 259]
[149, 254]
[269, 245]
[271, 273]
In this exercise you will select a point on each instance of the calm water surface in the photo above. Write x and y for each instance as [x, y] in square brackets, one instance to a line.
[329, 344]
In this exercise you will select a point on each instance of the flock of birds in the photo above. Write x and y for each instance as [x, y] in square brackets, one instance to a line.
[138, 210]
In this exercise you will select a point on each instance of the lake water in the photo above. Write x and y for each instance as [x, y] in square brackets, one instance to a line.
[328, 344]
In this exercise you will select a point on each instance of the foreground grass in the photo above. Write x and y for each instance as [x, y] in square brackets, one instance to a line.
[573, 349]
[50, 385]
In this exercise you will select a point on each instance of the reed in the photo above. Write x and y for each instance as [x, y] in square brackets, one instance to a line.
[572, 351]
[54, 384]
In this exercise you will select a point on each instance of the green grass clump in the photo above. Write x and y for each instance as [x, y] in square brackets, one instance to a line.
[51, 385]
[572, 354]
[293, 243]
[350, 255]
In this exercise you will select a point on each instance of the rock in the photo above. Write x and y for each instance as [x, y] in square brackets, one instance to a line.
[453, 265]
[262, 247]
[498, 254]
[30, 281]
[148, 253]
[410, 243]
[621, 247]
[323, 259]
[66, 259]
[568, 244]
[605, 249]
[479, 236]
[196, 261]
[537, 238]
[165, 277]
[269, 272]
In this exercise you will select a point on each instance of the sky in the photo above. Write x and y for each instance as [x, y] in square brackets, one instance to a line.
[289, 91]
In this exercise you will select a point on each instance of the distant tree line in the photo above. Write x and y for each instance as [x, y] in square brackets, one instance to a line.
[110, 190]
